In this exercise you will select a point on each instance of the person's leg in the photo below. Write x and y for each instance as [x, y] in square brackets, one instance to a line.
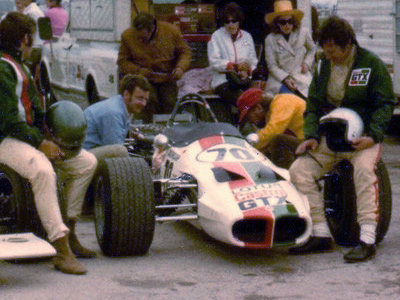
[76, 174]
[222, 107]
[167, 97]
[33, 165]
[109, 151]
[305, 172]
[366, 186]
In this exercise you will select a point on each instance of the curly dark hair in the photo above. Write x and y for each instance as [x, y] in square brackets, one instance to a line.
[13, 29]
[338, 30]
[232, 10]
[129, 82]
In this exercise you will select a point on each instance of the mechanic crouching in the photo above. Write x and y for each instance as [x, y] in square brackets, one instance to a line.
[36, 155]
[278, 123]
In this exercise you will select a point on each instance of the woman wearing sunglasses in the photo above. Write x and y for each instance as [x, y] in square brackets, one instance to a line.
[289, 51]
[229, 49]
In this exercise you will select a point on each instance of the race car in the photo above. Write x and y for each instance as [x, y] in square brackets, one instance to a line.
[205, 172]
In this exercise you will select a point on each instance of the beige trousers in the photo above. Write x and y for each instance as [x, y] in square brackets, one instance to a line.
[33, 165]
[305, 172]
[75, 174]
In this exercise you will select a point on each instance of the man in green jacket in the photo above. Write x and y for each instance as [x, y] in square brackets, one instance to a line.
[34, 156]
[350, 77]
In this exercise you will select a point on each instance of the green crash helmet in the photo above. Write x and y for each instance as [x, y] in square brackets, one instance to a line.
[67, 125]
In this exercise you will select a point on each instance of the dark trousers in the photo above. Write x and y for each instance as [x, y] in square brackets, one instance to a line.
[281, 150]
[163, 97]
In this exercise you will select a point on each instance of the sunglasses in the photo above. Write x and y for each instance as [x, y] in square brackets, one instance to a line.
[284, 22]
[231, 21]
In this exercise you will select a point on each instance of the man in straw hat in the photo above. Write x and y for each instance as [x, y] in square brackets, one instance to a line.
[289, 50]
[278, 123]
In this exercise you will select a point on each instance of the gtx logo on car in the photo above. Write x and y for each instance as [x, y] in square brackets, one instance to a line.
[261, 202]
[228, 153]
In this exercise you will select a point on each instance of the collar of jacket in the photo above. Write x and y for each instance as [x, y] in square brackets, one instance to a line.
[15, 54]
[240, 33]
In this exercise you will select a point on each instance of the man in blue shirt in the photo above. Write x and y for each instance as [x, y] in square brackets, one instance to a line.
[108, 121]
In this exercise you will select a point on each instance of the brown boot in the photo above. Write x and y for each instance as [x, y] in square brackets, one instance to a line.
[64, 260]
[75, 245]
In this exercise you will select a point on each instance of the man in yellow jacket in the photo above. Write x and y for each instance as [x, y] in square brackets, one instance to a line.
[278, 123]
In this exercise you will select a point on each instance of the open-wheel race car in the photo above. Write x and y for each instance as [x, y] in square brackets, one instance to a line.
[205, 172]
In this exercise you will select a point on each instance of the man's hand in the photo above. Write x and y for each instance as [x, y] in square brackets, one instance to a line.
[362, 143]
[177, 74]
[52, 151]
[290, 83]
[310, 144]
[304, 68]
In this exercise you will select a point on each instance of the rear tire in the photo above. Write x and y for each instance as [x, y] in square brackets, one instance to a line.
[124, 206]
[385, 201]
[341, 212]
[17, 207]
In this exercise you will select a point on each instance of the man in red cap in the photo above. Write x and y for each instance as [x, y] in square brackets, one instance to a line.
[278, 123]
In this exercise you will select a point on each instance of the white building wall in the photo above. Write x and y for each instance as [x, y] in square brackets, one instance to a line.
[373, 23]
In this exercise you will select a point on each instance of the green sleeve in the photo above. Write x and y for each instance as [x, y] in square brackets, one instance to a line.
[382, 101]
[11, 124]
[316, 101]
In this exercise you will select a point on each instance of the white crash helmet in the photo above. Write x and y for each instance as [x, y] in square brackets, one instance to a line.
[341, 126]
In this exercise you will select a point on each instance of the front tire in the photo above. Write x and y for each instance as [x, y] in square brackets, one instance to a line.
[124, 206]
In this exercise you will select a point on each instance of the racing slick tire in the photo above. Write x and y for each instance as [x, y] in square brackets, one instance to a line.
[341, 209]
[124, 206]
[17, 208]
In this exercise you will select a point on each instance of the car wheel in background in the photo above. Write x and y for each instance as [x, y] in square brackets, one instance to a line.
[47, 96]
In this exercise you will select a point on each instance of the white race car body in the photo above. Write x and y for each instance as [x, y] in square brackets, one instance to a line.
[242, 198]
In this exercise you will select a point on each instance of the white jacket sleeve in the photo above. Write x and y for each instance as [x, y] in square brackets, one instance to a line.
[215, 52]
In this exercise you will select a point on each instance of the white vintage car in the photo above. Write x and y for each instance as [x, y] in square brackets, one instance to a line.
[203, 172]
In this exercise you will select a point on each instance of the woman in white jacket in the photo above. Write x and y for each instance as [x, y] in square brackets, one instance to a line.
[228, 47]
[289, 51]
